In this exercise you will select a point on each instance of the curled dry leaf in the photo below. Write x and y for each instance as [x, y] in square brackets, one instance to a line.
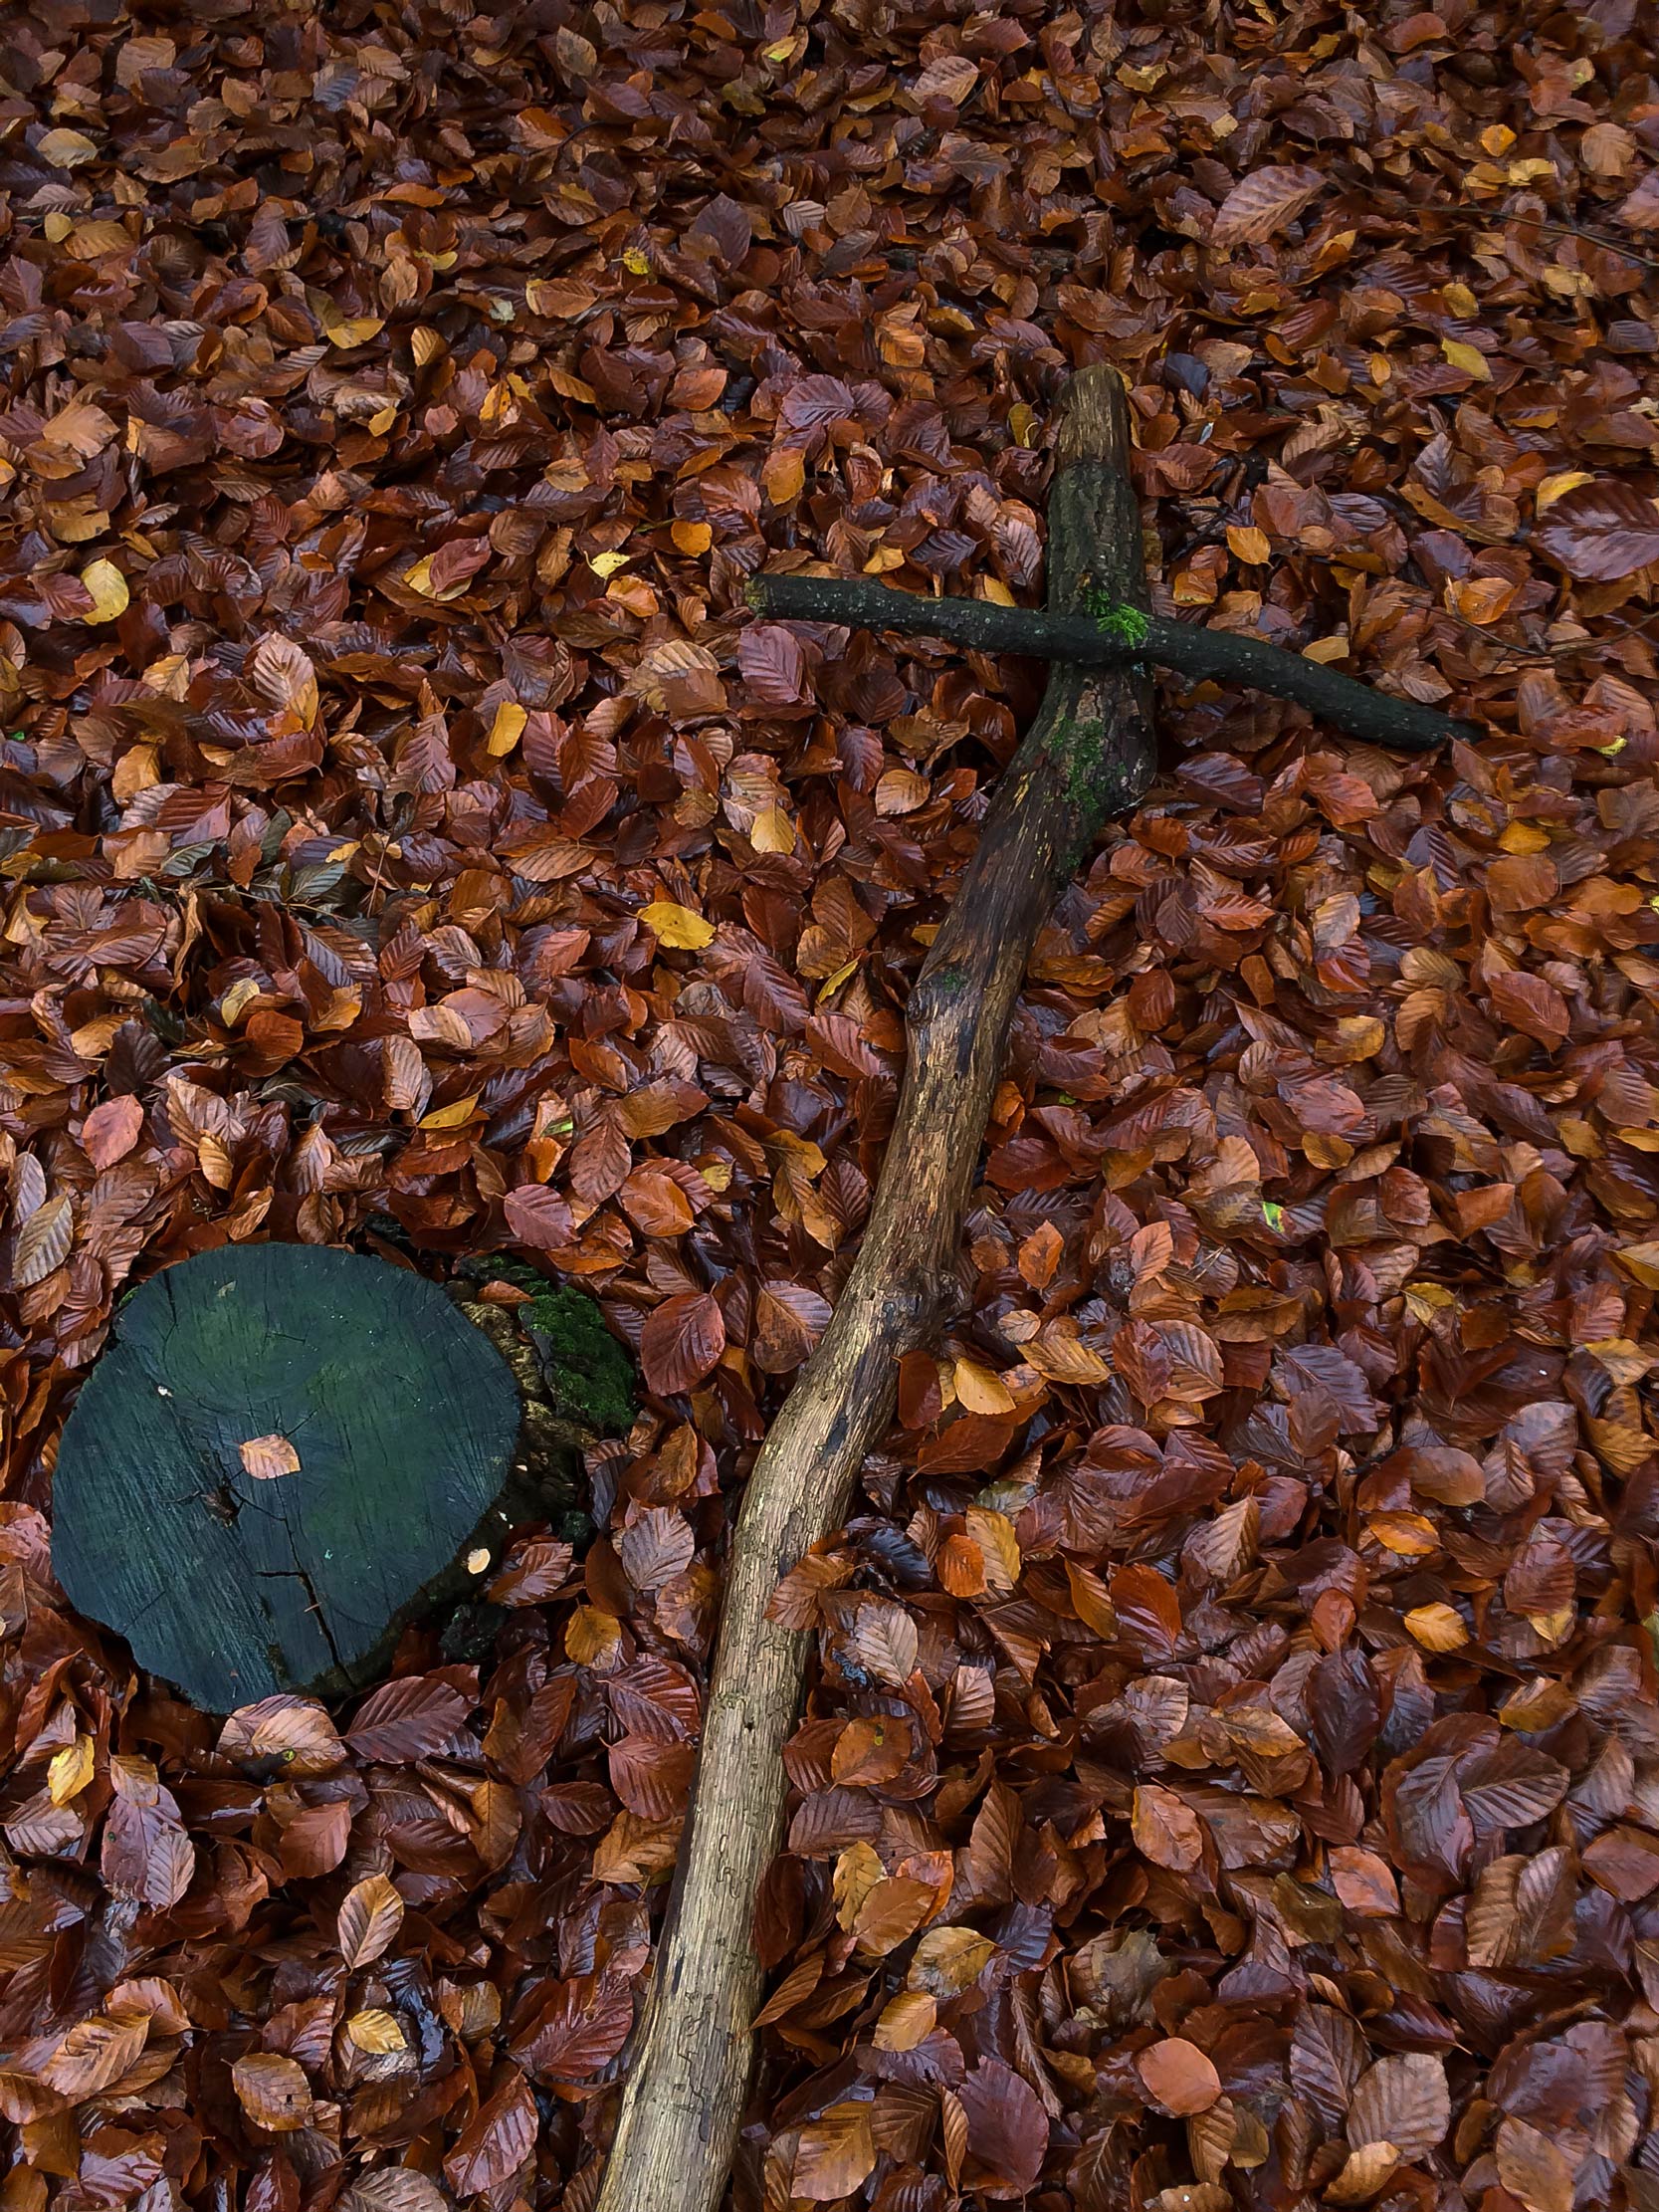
[293, 1734]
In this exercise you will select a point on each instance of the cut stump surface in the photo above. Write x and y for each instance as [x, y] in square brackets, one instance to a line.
[287, 1453]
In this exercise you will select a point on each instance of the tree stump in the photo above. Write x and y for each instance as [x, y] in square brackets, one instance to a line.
[289, 1453]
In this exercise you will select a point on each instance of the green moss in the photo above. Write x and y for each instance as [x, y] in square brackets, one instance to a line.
[1126, 622]
[590, 1378]
[1075, 750]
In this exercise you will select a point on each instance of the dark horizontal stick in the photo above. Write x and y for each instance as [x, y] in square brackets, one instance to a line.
[1216, 656]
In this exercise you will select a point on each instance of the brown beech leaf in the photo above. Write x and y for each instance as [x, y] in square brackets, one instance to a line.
[1179, 2076]
[1263, 205]
[94, 2056]
[1603, 530]
[369, 1919]
[1402, 2101]
[497, 2141]
[291, 1735]
[835, 2155]
[267, 1457]
[1165, 1829]
[273, 2091]
[578, 2026]
[1007, 2129]
[407, 1718]
[682, 1342]
[394, 2189]
[111, 1130]
[1532, 2167]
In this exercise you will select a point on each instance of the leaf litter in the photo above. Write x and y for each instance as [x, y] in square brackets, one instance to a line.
[1230, 1771]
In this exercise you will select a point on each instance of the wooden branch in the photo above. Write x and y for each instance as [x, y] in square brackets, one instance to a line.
[1090, 751]
[1106, 637]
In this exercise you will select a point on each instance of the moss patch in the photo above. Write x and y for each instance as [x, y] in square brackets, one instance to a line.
[588, 1376]
[1126, 622]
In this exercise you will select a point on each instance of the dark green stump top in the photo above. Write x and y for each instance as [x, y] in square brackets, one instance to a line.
[275, 1466]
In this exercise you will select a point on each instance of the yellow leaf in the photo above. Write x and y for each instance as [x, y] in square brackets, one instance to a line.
[772, 831]
[947, 1960]
[506, 728]
[1496, 138]
[832, 984]
[1411, 1535]
[636, 262]
[375, 2031]
[993, 1532]
[981, 1390]
[905, 2020]
[782, 474]
[1460, 301]
[1246, 543]
[1551, 490]
[693, 538]
[1642, 1262]
[676, 927]
[109, 589]
[997, 592]
[71, 1770]
[237, 999]
[419, 579]
[347, 331]
[1437, 1627]
[453, 1116]
[66, 149]
[857, 1871]
[1325, 649]
[1469, 358]
[607, 564]
[1022, 423]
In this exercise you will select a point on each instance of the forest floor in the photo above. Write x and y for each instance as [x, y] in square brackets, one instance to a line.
[1231, 1774]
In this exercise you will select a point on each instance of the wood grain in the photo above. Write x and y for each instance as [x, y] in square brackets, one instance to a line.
[1089, 753]
[404, 1421]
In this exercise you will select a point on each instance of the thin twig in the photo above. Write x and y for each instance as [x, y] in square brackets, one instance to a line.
[1111, 637]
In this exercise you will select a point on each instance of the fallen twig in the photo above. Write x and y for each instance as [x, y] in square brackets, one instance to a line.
[1109, 635]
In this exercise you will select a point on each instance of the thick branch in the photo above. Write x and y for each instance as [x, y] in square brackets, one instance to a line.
[1218, 656]
[1089, 752]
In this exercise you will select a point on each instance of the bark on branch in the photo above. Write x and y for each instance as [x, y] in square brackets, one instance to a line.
[1107, 636]
[1089, 753]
